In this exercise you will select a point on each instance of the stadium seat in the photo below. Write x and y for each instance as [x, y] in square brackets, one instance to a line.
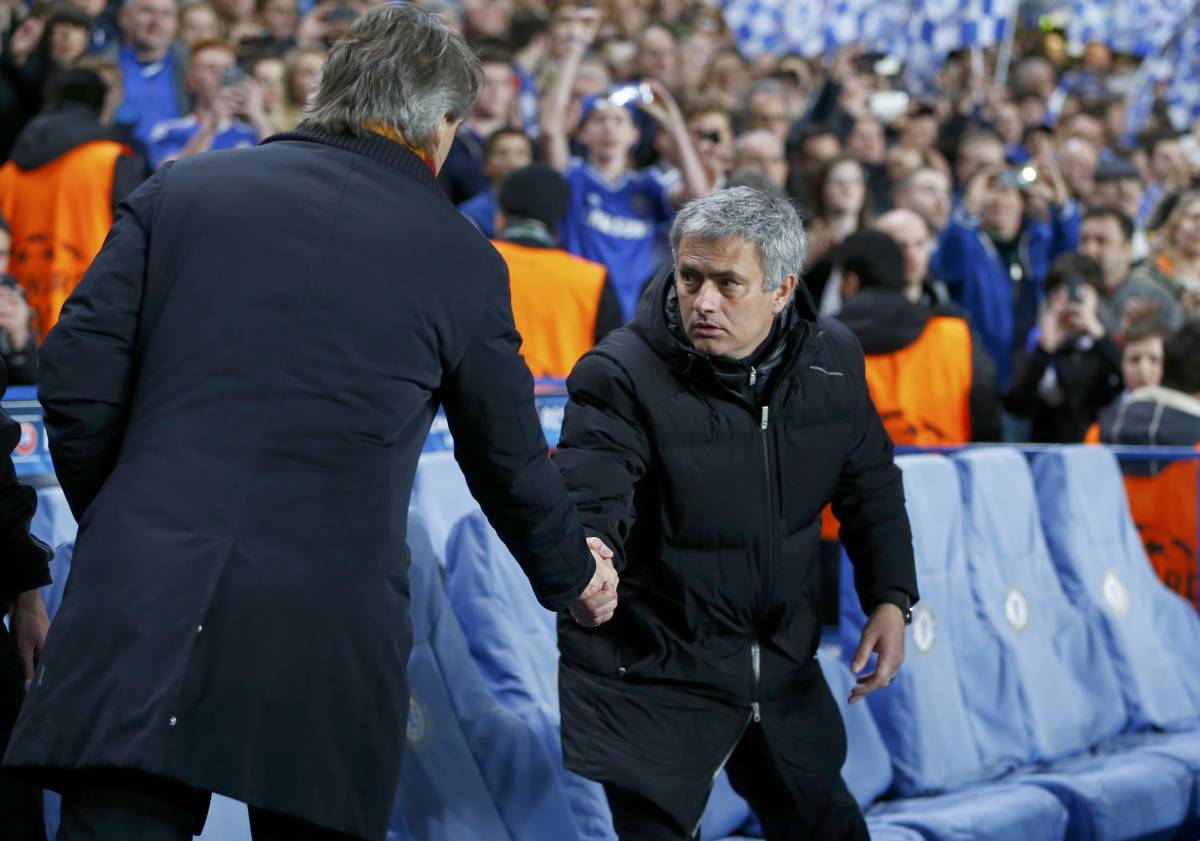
[1151, 633]
[514, 643]
[53, 522]
[1055, 667]
[982, 811]
[471, 768]
[513, 640]
[923, 715]
[441, 496]
[1050, 690]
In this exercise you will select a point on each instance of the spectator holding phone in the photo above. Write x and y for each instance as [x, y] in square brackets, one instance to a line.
[996, 252]
[222, 93]
[615, 212]
[1073, 368]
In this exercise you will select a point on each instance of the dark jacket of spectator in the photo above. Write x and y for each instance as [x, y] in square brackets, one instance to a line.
[219, 439]
[1087, 378]
[708, 484]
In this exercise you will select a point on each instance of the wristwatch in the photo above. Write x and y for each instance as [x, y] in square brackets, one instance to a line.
[900, 599]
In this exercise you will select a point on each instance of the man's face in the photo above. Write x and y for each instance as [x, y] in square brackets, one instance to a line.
[199, 24]
[976, 156]
[724, 308]
[768, 111]
[496, 94]
[1142, 363]
[280, 18]
[845, 188]
[492, 18]
[1167, 163]
[713, 137]
[1102, 239]
[928, 194]
[206, 71]
[5, 251]
[911, 233]
[609, 132]
[508, 154]
[762, 152]
[68, 42]
[818, 151]
[149, 24]
[1125, 193]
[1002, 212]
[658, 57]
[866, 142]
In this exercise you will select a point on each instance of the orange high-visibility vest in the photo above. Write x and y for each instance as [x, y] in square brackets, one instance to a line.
[555, 298]
[922, 392]
[1165, 511]
[60, 214]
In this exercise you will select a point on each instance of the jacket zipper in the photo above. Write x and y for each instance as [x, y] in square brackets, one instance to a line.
[755, 715]
[772, 524]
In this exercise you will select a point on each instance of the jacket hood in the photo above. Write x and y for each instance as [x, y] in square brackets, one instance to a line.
[883, 320]
[53, 134]
[1156, 416]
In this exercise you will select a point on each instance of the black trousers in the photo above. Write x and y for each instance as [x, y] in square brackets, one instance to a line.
[131, 806]
[822, 809]
[21, 816]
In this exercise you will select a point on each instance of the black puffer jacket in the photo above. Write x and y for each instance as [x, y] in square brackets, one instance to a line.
[711, 496]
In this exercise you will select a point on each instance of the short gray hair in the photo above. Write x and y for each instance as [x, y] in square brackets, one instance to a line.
[768, 221]
[399, 67]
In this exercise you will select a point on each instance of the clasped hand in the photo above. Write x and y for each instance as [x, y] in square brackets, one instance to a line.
[597, 602]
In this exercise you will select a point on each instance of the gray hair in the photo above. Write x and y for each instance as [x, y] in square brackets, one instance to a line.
[768, 221]
[398, 67]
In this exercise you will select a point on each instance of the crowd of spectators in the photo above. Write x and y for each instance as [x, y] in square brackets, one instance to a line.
[1070, 244]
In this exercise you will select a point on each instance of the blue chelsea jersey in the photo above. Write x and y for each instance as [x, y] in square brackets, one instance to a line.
[617, 224]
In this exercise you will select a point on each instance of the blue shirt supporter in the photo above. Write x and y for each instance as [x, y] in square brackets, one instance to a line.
[481, 209]
[170, 136]
[151, 92]
[616, 223]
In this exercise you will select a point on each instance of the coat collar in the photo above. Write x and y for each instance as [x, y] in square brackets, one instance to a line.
[371, 145]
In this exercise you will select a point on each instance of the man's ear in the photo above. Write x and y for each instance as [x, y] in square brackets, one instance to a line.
[783, 295]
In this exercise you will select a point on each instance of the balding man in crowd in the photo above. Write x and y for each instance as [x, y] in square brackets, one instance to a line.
[911, 232]
[926, 192]
[762, 151]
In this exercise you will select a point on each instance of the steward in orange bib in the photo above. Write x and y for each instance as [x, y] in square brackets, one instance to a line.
[562, 304]
[59, 190]
[931, 383]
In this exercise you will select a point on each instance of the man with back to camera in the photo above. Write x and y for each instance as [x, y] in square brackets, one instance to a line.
[701, 442]
[236, 398]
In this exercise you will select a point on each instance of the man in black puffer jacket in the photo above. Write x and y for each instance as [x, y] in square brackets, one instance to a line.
[701, 442]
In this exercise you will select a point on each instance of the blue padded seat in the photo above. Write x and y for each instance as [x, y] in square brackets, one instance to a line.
[441, 496]
[1049, 689]
[514, 643]
[986, 810]
[1151, 633]
[471, 768]
[923, 715]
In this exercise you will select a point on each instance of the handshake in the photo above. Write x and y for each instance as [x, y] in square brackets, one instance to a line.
[595, 605]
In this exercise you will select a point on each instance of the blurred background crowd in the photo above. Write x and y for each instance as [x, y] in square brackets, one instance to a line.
[1039, 182]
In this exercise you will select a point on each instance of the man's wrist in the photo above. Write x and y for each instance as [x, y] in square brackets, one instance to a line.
[898, 599]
